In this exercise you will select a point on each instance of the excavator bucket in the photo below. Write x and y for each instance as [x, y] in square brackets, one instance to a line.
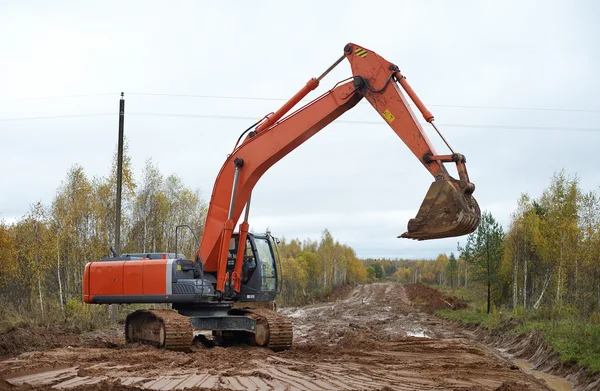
[448, 210]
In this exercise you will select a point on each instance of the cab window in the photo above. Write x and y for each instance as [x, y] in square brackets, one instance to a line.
[267, 264]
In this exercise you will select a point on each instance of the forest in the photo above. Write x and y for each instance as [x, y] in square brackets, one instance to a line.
[43, 254]
[548, 257]
[311, 269]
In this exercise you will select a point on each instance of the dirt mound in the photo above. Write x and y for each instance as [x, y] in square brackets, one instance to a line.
[18, 340]
[22, 339]
[339, 293]
[431, 300]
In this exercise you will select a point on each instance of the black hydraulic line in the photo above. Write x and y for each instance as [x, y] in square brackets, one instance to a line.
[246, 131]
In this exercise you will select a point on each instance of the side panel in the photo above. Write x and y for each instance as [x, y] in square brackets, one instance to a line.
[132, 278]
[106, 278]
[86, 284]
[154, 277]
[133, 281]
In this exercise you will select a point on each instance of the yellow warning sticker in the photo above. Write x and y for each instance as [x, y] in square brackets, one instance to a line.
[389, 117]
[361, 52]
[179, 267]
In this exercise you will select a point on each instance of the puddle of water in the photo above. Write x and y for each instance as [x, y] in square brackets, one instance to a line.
[554, 382]
[299, 313]
[416, 333]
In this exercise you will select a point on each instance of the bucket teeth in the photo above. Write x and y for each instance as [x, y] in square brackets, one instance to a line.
[446, 211]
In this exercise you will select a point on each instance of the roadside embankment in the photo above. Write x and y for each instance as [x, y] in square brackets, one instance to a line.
[567, 348]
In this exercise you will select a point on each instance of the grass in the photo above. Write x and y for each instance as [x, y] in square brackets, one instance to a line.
[76, 316]
[576, 340]
[473, 317]
[470, 295]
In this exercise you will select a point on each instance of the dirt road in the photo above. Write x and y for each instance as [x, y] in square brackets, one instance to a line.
[374, 339]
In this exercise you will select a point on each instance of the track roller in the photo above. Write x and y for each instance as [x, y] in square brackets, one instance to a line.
[273, 331]
[161, 328]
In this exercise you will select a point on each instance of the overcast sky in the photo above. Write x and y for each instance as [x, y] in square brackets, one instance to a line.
[358, 180]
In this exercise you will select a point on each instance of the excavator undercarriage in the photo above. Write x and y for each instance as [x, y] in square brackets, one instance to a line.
[169, 330]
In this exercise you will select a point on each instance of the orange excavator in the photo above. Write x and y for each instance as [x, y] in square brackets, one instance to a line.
[235, 276]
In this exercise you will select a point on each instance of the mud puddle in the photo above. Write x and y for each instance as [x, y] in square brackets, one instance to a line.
[417, 334]
[554, 382]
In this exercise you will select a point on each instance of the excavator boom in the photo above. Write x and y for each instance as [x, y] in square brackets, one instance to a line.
[448, 209]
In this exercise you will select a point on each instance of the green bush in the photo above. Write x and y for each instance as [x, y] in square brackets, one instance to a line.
[85, 317]
[468, 316]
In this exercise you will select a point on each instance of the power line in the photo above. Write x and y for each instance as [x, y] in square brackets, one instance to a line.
[209, 96]
[56, 117]
[340, 121]
[519, 108]
[355, 122]
[233, 97]
[520, 127]
[236, 97]
[477, 126]
[63, 96]
[202, 116]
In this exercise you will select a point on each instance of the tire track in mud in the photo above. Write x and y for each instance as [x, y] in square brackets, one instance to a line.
[361, 342]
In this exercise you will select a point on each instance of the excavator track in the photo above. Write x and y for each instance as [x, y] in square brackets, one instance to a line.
[273, 331]
[162, 328]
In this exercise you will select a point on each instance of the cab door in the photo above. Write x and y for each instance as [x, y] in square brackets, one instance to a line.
[259, 270]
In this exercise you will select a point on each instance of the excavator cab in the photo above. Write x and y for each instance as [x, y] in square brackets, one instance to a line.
[260, 269]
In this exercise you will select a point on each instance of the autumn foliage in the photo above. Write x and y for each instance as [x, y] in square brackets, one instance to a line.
[311, 269]
[43, 254]
[547, 258]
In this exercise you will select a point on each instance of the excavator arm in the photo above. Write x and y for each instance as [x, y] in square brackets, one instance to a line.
[448, 209]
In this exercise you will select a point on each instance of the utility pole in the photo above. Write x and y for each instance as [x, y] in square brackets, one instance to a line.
[119, 174]
[114, 310]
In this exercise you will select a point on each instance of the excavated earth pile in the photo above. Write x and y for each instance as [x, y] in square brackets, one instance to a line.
[431, 300]
[17, 340]
[371, 339]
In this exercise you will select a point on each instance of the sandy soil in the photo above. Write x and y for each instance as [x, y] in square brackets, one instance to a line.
[373, 339]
